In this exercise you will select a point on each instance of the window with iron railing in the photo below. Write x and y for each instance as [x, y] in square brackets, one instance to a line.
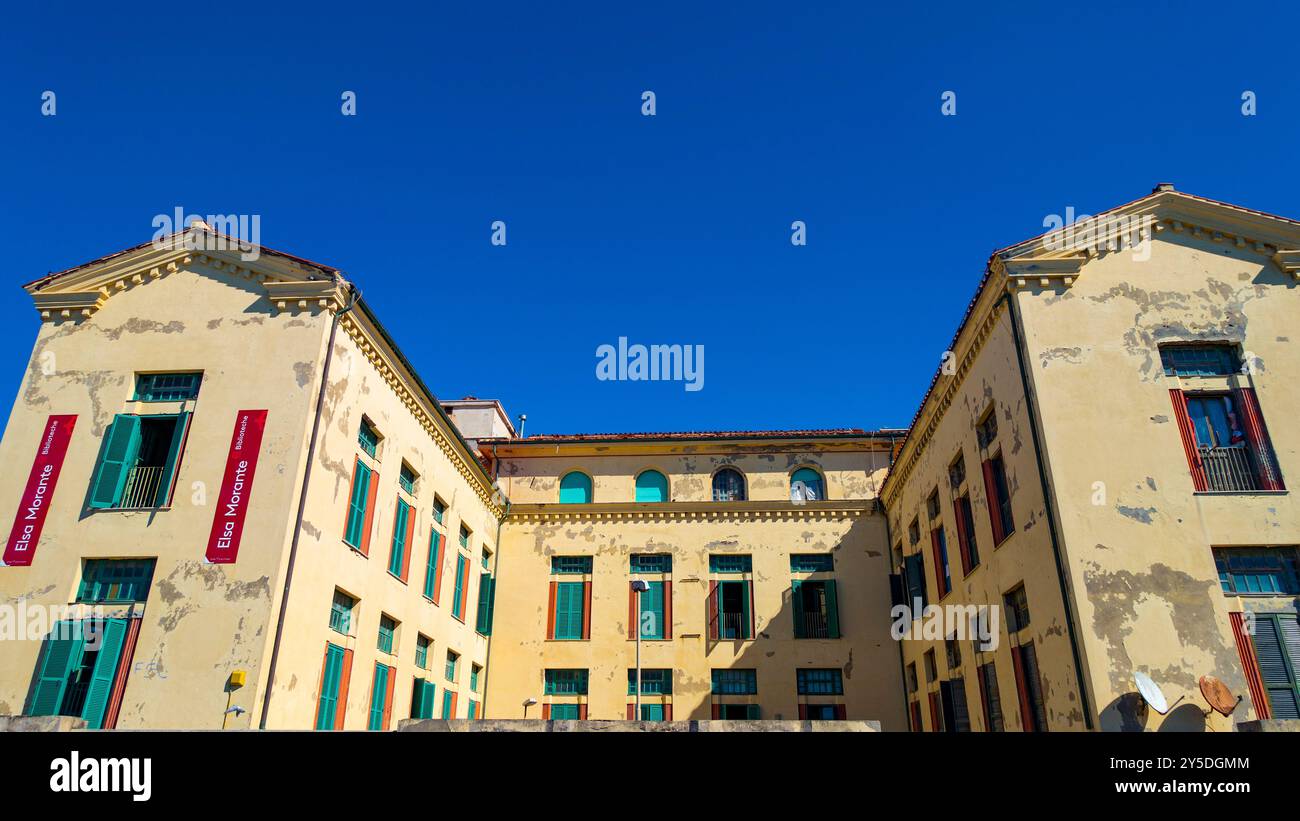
[138, 461]
[816, 609]
[728, 486]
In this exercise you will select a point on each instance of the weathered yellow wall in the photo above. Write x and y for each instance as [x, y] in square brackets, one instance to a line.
[770, 529]
[1140, 560]
[201, 621]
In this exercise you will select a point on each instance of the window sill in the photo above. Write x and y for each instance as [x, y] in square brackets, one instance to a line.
[395, 576]
[128, 509]
[1239, 492]
[1260, 595]
[567, 639]
[354, 549]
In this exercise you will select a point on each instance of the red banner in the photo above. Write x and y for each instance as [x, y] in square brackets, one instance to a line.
[236, 487]
[35, 503]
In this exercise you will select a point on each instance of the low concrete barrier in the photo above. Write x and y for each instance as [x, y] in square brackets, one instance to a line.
[40, 724]
[528, 725]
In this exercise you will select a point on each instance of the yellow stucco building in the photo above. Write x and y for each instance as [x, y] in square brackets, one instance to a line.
[309, 538]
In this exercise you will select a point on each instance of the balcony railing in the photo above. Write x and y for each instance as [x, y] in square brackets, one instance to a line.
[733, 626]
[1228, 469]
[815, 625]
[142, 486]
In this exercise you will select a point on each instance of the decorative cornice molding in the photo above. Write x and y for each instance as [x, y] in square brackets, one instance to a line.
[693, 511]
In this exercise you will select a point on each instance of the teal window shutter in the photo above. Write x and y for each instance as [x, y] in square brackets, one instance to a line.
[63, 647]
[651, 486]
[487, 591]
[457, 601]
[652, 601]
[101, 680]
[652, 712]
[431, 569]
[575, 488]
[747, 605]
[751, 712]
[399, 538]
[422, 699]
[173, 460]
[832, 609]
[357, 506]
[796, 607]
[568, 610]
[121, 447]
[329, 690]
[378, 692]
[446, 703]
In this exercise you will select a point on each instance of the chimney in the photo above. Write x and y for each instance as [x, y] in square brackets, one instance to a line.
[1162, 186]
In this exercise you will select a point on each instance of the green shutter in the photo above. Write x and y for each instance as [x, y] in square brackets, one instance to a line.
[379, 691]
[121, 446]
[486, 595]
[173, 460]
[431, 569]
[746, 604]
[62, 652]
[399, 539]
[357, 505]
[832, 609]
[751, 712]
[329, 690]
[422, 699]
[113, 636]
[568, 610]
[457, 602]
[652, 601]
[796, 607]
[446, 703]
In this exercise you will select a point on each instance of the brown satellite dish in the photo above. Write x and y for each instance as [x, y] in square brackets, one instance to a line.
[1218, 696]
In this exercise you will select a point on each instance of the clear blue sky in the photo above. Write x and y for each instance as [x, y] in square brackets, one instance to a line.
[665, 229]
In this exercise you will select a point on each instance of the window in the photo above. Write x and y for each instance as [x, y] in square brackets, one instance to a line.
[361, 502]
[571, 682]
[423, 698]
[333, 688]
[1277, 648]
[827, 682]
[1029, 687]
[571, 565]
[912, 684]
[462, 581]
[965, 519]
[422, 645]
[654, 682]
[439, 508]
[651, 486]
[914, 532]
[806, 485]
[387, 631]
[1258, 571]
[399, 556]
[77, 671]
[1016, 604]
[989, 699]
[986, 431]
[995, 485]
[368, 438]
[931, 670]
[167, 387]
[464, 537]
[115, 581]
[737, 712]
[914, 579]
[1227, 444]
[815, 605]
[448, 703]
[735, 682]
[956, 713]
[138, 461]
[381, 697]
[731, 611]
[939, 551]
[406, 479]
[487, 594]
[433, 567]
[575, 488]
[1199, 360]
[452, 660]
[728, 486]
[651, 563]
[568, 617]
[653, 616]
[730, 564]
[341, 613]
[474, 671]
[812, 563]
[932, 505]
[957, 472]
[487, 559]
[953, 650]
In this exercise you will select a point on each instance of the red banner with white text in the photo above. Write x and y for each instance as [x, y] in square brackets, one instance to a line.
[236, 487]
[35, 502]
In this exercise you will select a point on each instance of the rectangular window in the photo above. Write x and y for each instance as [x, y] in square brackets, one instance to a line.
[931, 669]
[422, 644]
[735, 682]
[952, 649]
[333, 688]
[381, 698]
[565, 712]
[956, 714]
[433, 567]
[1277, 649]
[812, 563]
[448, 703]
[368, 439]
[1030, 688]
[487, 594]
[403, 524]
[654, 682]
[957, 472]
[569, 616]
[341, 613]
[1270, 571]
[824, 682]
[965, 519]
[914, 578]
[571, 682]
[464, 537]
[406, 479]
[932, 505]
[912, 683]
[939, 551]
[115, 581]
[995, 486]
[730, 564]
[987, 429]
[1016, 605]
[387, 630]
[989, 699]
[474, 670]
[651, 563]
[77, 671]
[423, 698]
[361, 500]
[487, 559]
[731, 609]
[1199, 360]
[452, 660]
[815, 605]
[438, 509]
[737, 712]
[914, 532]
[653, 617]
[570, 565]
[458, 603]
[138, 460]
[167, 387]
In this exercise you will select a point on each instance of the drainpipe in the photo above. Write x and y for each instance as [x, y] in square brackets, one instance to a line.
[487, 652]
[1085, 702]
[902, 660]
[354, 296]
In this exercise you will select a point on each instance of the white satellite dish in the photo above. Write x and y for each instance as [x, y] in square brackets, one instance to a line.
[1151, 693]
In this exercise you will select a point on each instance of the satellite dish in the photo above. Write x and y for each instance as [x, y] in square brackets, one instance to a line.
[1218, 696]
[1150, 692]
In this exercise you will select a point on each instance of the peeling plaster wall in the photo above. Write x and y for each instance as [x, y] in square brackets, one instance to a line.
[866, 655]
[1140, 561]
[201, 621]
[1024, 556]
[326, 562]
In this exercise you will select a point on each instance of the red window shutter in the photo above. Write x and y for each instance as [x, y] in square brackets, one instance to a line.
[1270, 478]
[633, 620]
[1250, 664]
[437, 570]
[550, 613]
[370, 512]
[717, 710]
[388, 696]
[586, 609]
[464, 586]
[935, 714]
[341, 709]
[409, 541]
[916, 717]
[631, 710]
[963, 538]
[991, 492]
[123, 670]
[984, 697]
[1189, 438]
[713, 610]
[668, 712]
[546, 712]
[582, 712]
[803, 712]
[1022, 690]
[668, 613]
[454, 697]
[940, 588]
[749, 594]
[841, 712]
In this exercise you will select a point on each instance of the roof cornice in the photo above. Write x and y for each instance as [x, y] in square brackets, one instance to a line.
[777, 510]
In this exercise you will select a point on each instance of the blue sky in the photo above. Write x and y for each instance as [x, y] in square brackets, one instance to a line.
[666, 229]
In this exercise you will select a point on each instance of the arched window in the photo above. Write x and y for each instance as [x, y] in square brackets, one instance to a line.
[728, 486]
[806, 485]
[651, 486]
[575, 488]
